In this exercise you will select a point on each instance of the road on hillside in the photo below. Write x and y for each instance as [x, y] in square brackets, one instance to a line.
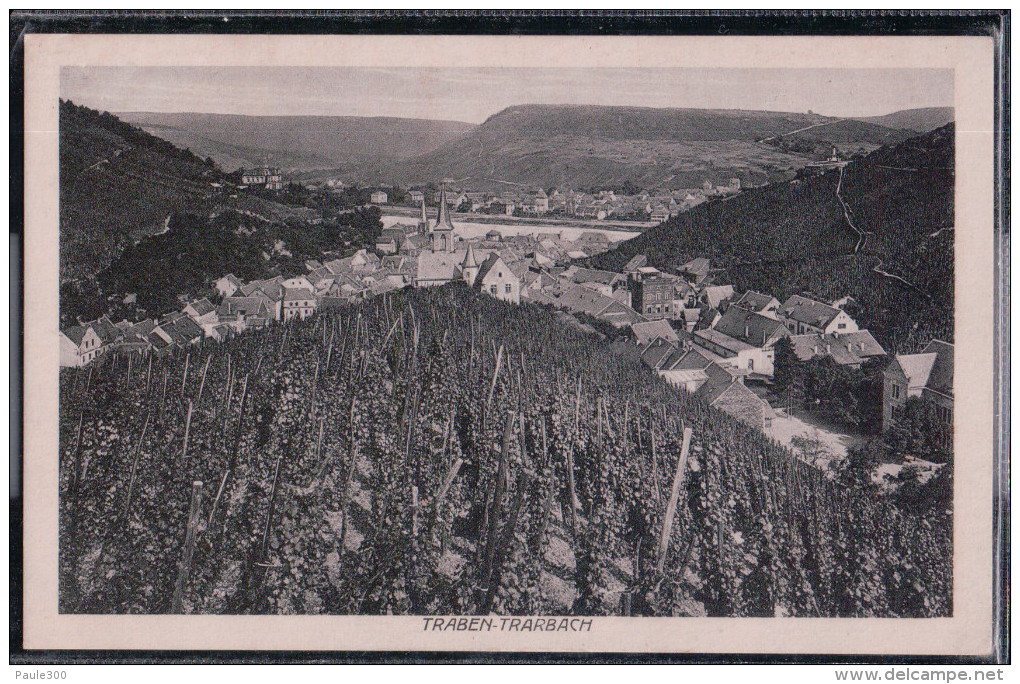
[801, 130]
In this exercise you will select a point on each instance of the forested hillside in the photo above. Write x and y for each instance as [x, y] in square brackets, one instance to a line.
[922, 120]
[196, 250]
[439, 452]
[118, 183]
[142, 217]
[793, 237]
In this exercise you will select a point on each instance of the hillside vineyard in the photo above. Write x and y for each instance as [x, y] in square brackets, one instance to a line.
[439, 452]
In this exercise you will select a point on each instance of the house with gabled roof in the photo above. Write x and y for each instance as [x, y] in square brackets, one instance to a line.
[730, 395]
[744, 339]
[107, 331]
[647, 331]
[244, 312]
[763, 304]
[635, 263]
[803, 315]
[659, 214]
[298, 302]
[715, 295]
[181, 332]
[581, 299]
[498, 280]
[159, 342]
[928, 376]
[608, 283]
[657, 353]
[848, 349]
[79, 345]
[201, 311]
[271, 290]
[696, 270]
[689, 371]
[228, 285]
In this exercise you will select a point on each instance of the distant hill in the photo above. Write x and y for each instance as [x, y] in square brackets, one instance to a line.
[298, 143]
[584, 146]
[921, 120]
[793, 237]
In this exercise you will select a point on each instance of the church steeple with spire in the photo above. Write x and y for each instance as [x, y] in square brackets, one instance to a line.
[442, 232]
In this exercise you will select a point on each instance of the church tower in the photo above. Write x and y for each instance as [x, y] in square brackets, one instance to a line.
[423, 222]
[442, 232]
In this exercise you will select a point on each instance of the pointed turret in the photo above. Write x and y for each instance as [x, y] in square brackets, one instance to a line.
[424, 214]
[469, 258]
[469, 267]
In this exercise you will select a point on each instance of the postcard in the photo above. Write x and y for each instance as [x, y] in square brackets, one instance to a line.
[509, 343]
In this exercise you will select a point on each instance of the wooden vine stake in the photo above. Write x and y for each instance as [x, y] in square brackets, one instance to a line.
[451, 475]
[184, 378]
[134, 468]
[655, 462]
[495, 377]
[187, 433]
[184, 566]
[667, 522]
[267, 531]
[352, 455]
[201, 385]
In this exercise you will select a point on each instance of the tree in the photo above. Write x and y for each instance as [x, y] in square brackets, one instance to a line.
[920, 494]
[918, 432]
[786, 366]
[861, 461]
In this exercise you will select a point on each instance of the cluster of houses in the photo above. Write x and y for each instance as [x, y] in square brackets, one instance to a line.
[695, 333]
[702, 336]
[654, 205]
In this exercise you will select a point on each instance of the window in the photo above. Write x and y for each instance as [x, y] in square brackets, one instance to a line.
[841, 326]
[750, 364]
[492, 289]
[508, 288]
[894, 391]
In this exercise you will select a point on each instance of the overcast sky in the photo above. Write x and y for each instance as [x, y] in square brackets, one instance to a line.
[472, 95]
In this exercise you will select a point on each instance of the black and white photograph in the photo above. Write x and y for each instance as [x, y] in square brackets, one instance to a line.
[507, 341]
[509, 350]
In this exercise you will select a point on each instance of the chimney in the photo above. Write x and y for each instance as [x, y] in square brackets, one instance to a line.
[828, 348]
[747, 331]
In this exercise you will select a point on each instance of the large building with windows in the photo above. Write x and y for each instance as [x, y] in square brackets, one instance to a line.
[652, 297]
[267, 177]
[928, 375]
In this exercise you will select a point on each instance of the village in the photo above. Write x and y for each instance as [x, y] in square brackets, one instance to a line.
[693, 331]
[629, 204]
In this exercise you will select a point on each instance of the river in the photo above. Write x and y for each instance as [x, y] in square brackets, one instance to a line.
[468, 229]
